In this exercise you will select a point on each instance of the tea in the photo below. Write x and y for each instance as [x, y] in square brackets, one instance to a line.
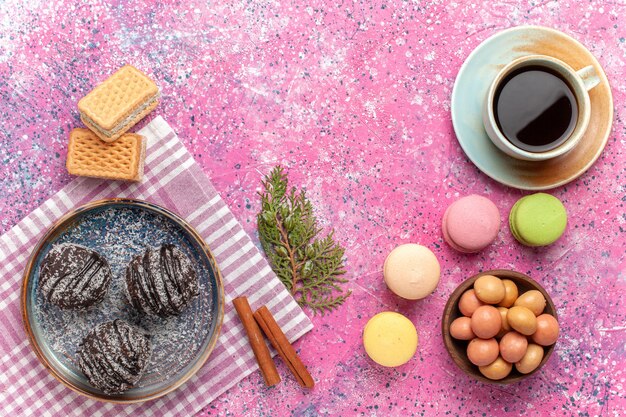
[535, 108]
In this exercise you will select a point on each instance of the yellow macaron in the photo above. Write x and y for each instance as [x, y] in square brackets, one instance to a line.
[390, 339]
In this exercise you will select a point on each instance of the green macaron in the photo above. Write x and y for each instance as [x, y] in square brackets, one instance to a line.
[538, 219]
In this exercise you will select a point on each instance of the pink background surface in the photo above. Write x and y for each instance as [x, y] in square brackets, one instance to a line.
[354, 99]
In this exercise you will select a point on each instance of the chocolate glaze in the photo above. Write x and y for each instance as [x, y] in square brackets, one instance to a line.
[74, 277]
[161, 282]
[114, 355]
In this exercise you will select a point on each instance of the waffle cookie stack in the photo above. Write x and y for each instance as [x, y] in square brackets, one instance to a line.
[105, 150]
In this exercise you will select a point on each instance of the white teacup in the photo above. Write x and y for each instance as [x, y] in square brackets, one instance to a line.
[579, 83]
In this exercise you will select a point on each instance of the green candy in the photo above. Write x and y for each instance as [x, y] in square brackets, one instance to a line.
[538, 219]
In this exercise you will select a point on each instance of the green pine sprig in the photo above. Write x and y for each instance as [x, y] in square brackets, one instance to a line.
[311, 267]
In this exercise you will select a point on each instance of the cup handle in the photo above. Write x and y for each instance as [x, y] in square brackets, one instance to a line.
[589, 76]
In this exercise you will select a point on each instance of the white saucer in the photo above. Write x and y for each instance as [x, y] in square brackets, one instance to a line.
[470, 89]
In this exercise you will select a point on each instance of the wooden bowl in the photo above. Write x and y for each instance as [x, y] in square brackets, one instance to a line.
[457, 348]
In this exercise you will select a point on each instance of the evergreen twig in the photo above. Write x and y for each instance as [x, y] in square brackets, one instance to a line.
[311, 267]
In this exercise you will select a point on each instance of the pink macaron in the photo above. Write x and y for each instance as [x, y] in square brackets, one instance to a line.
[471, 223]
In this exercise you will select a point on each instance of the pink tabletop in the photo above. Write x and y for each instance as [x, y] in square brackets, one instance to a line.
[354, 99]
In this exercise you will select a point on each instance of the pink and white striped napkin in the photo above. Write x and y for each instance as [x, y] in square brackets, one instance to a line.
[172, 179]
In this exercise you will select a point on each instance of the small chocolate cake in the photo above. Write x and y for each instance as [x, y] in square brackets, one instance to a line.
[74, 277]
[161, 282]
[114, 355]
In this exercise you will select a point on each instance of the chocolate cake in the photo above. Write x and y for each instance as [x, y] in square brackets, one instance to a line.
[161, 282]
[74, 277]
[114, 355]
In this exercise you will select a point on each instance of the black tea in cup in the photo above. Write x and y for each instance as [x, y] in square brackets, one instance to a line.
[535, 108]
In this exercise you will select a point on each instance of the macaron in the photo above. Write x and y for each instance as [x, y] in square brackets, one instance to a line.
[538, 219]
[411, 271]
[390, 339]
[471, 223]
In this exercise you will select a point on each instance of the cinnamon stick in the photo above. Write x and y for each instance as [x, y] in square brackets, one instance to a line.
[280, 342]
[261, 352]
